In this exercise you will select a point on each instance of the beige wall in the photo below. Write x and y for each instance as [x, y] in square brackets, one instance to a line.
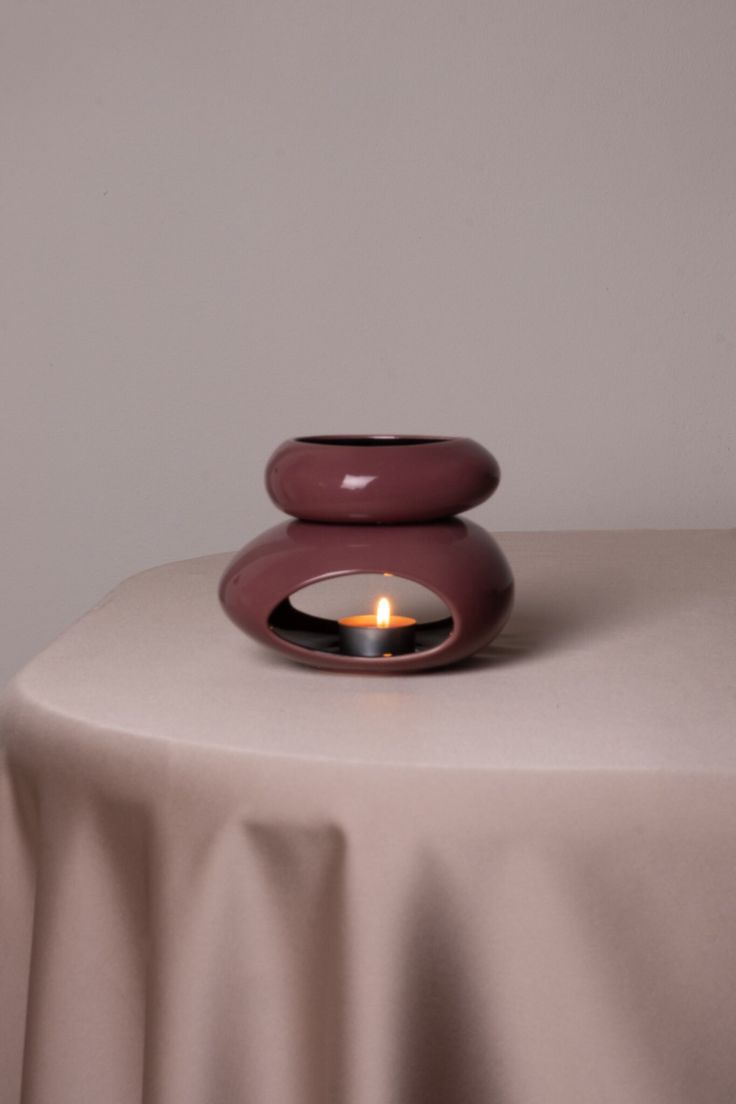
[227, 222]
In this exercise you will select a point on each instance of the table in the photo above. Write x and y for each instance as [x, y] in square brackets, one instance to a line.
[228, 879]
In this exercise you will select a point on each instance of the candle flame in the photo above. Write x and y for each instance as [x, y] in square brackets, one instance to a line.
[383, 613]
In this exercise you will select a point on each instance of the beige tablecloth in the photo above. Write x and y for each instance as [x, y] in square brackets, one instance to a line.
[227, 879]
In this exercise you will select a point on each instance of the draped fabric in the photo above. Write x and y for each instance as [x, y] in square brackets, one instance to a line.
[225, 879]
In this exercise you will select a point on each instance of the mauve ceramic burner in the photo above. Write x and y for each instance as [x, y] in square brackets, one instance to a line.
[380, 505]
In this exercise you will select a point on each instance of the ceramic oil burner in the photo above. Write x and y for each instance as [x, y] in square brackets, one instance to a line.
[382, 506]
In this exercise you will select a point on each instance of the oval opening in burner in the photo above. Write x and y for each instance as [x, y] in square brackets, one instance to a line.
[309, 616]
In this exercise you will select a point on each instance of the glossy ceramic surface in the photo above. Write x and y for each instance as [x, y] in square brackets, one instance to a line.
[456, 559]
[380, 479]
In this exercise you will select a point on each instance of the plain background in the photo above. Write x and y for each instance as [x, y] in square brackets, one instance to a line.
[226, 223]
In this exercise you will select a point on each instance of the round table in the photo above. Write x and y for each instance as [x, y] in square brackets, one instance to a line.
[229, 879]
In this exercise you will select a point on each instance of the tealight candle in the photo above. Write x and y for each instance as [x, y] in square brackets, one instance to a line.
[378, 634]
